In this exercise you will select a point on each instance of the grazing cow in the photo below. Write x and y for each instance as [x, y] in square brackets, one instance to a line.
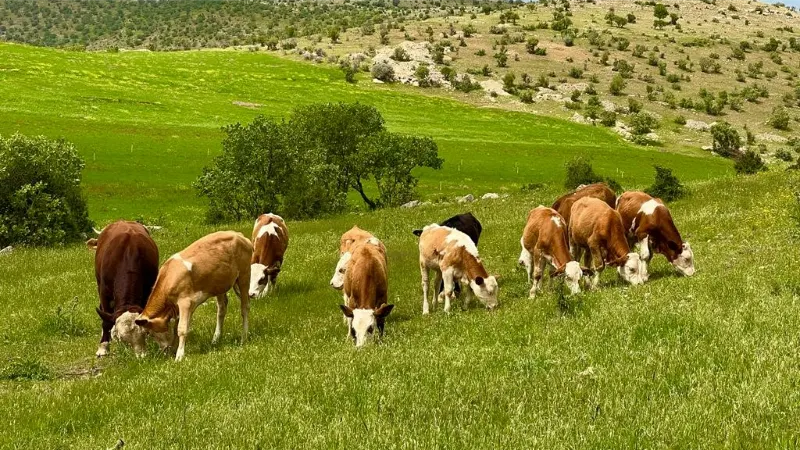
[647, 220]
[597, 190]
[209, 267]
[125, 266]
[544, 239]
[453, 256]
[467, 224]
[270, 239]
[596, 232]
[365, 291]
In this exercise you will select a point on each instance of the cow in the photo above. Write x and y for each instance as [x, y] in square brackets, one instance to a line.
[596, 233]
[647, 220]
[270, 240]
[207, 268]
[351, 237]
[467, 224]
[366, 291]
[544, 239]
[453, 256]
[125, 267]
[597, 190]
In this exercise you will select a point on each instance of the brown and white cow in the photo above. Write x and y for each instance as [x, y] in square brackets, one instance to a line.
[597, 190]
[209, 267]
[453, 256]
[544, 239]
[270, 240]
[647, 220]
[350, 238]
[366, 284]
[125, 266]
[596, 233]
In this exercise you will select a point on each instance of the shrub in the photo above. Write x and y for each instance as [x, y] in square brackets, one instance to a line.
[41, 202]
[608, 118]
[530, 46]
[593, 107]
[422, 74]
[624, 68]
[304, 166]
[465, 83]
[725, 139]
[508, 83]
[666, 185]
[784, 155]
[642, 123]
[575, 72]
[780, 118]
[349, 69]
[617, 85]
[382, 71]
[680, 120]
[623, 44]
[634, 106]
[580, 171]
[749, 163]
[526, 96]
[400, 54]
[639, 50]
[502, 57]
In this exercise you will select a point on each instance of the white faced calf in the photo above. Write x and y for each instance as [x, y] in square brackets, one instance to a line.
[270, 240]
[452, 255]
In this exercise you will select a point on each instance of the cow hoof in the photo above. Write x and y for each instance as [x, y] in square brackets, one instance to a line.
[102, 350]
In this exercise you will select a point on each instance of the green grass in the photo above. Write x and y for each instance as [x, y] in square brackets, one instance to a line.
[146, 123]
[679, 362]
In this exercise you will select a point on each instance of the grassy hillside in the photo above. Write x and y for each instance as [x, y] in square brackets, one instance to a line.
[679, 362]
[146, 123]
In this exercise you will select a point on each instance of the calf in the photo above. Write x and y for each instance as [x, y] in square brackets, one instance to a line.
[209, 267]
[349, 239]
[467, 224]
[647, 220]
[597, 190]
[270, 239]
[125, 266]
[365, 291]
[596, 232]
[544, 239]
[453, 256]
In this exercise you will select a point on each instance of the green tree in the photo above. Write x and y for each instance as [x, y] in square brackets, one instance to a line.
[617, 85]
[725, 139]
[666, 185]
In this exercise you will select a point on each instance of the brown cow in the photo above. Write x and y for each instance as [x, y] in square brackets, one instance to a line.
[125, 266]
[270, 240]
[352, 236]
[544, 239]
[453, 255]
[597, 190]
[209, 267]
[366, 285]
[647, 220]
[596, 232]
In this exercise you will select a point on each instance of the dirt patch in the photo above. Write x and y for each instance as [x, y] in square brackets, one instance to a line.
[248, 105]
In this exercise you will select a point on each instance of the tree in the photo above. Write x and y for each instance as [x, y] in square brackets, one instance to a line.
[41, 202]
[660, 11]
[749, 163]
[725, 139]
[502, 56]
[780, 118]
[666, 185]
[617, 85]
[530, 46]
[333, 34]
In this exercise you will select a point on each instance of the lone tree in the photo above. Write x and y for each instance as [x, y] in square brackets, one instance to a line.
[41, 202]
[726, 140]
[666, 185]
[305, 165]
[660, 12]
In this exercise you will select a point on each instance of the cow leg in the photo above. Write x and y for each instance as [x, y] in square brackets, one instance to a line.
[424, 273]
[447, 277]
[439, 281]
[538, 269]
[184, 319]
[467, 296]
[222, 309]
[244, 287]
[105, 338]
[597, 265]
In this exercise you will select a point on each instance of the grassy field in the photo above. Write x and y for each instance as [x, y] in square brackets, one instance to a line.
[146, 123]
[705, 361]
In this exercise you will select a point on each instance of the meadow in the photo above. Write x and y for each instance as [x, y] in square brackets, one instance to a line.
[707, 361]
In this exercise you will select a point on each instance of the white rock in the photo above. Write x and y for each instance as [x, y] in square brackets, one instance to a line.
[469, 198]
[377, 81]
[578, 118]
[653, 137]
[707, 147]
[6, 250]
[490, 196]
[411, 204]
[766, 137]
[608, 106]
[697, 125]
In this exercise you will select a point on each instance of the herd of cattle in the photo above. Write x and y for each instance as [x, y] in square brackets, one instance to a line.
[584, 231]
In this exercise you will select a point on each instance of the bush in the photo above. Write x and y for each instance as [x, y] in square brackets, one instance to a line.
[680, 120]
[349, 69]
[400, 54]
[422, 74]
[608, 118]
[642, 123]
[304, 166]
[784, 155]
[780, 118]
[749, 163]
[726, 140]
[617, 85]
[580, 171]
[576, 72]
[41, 202]
[666, 185]
[465, 83]
[530, 46]
[384, 72]
[634, 106]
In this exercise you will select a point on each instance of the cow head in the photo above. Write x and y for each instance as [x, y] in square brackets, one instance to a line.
[486, 290]
[363, 322]
[125, 330]
[631, 268]
[685, 260]
[337, 281]
[159, 328]
[261, 277]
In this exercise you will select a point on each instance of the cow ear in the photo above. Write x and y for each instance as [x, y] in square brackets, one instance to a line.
[142, 322]
[557, 273]
[587, 271]
[417, 232]
[673, 246]
[347, 311]
[92, 244]
[383, 311]
[271, 270]
[479, 281]
[104, 315]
